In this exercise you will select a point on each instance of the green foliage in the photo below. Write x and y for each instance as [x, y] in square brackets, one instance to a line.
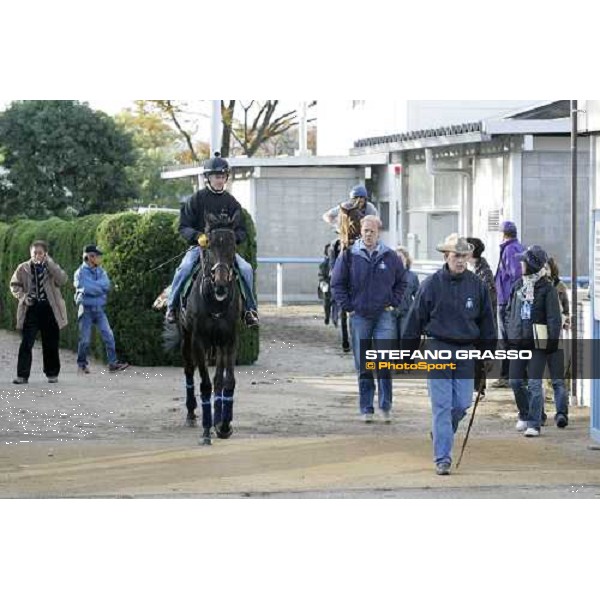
[155, 145]
[134, 245]
[60, 157]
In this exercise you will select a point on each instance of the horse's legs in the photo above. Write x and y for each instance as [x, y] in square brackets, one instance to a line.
[228, 391]
[205, 394]
[345, 338]
[218, 386]
[188, 368]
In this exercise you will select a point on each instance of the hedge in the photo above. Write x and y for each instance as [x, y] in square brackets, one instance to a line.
[133, 246]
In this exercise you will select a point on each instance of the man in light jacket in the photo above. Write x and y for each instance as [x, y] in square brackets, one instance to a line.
[36, 285]
[91, 290]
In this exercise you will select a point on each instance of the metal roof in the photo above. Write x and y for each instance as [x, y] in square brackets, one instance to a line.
[420, 134]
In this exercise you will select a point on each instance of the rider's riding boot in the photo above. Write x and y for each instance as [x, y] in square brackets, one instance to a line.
[171, 316]
[251, 318]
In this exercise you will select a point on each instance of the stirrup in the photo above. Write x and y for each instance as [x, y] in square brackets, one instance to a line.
[251, 318]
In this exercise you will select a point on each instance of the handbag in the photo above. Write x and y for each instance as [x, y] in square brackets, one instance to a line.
[540, 336]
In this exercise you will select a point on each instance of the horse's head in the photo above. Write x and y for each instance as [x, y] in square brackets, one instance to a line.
[350, 216]
[221, 252]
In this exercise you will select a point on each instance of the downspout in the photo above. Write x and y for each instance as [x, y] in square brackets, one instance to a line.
[466, 207]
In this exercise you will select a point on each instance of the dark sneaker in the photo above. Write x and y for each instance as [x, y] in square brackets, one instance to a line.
[20, 380]
[118, 366]
[500, 383]
[52, 379]
[251, 318]
[83, 370]
[442, 468]
[171, 316]
[561, 420]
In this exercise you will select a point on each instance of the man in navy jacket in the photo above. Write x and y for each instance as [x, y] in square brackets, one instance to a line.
[453, 309]
[368, 282]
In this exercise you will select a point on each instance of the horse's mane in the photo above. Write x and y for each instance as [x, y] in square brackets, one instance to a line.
[349, 224]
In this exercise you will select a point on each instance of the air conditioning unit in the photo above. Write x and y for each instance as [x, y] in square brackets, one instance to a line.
[494, 220]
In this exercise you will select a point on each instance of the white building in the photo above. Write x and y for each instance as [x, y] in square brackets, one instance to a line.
[341, 122]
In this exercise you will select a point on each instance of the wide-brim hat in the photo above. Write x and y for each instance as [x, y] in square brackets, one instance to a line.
[454, 243]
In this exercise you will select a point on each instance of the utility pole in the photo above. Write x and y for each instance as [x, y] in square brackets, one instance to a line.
[574, 327]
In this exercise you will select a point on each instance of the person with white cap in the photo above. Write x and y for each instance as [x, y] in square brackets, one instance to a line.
[91, 290]
[453, 309]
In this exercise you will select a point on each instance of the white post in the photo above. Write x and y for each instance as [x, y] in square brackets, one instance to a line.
[302, 130]
[279, 285]
[215, 127]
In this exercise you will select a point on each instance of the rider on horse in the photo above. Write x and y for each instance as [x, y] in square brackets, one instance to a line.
[215, 200]
[357, 198]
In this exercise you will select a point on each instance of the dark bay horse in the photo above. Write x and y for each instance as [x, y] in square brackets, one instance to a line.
[349, 231]
[210, 321]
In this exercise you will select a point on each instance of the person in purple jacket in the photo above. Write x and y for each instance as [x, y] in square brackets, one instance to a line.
[368, 282]
[509, 271]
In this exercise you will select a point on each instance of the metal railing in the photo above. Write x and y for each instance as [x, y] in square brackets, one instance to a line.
[287, 260]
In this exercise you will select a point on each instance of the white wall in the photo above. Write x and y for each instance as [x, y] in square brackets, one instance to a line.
[342, 122]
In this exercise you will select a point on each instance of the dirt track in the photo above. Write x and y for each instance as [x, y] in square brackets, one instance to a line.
[297, 433]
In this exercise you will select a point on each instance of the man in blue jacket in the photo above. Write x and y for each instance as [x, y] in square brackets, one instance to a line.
[368, 282]
[91, 289]
[507, 274]
[453, 309]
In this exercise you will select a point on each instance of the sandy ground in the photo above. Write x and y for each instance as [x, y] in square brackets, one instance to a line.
[297, 433]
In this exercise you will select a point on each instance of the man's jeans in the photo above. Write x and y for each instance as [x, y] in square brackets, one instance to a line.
[381, 327]
[192, 256]
[529, 395]
[451, 394]
[503, 335]
[89, 318]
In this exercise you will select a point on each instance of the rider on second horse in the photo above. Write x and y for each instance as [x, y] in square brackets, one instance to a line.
[214, 200]
[357, 198]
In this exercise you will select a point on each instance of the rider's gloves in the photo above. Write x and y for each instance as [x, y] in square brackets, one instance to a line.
[202, 240]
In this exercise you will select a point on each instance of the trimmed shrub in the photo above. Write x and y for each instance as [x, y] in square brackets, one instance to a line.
[134, 246]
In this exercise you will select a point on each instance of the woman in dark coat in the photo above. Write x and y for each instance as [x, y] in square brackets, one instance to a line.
[412, 287]
[481, 268]
[533, 312]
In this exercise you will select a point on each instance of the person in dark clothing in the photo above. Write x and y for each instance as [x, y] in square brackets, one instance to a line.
[482, 269]
[214, 200]
[36, 285]
[555, 364]
[453, 309]
[412, 287]
[368, 283]
[533, 323]
[507, 274]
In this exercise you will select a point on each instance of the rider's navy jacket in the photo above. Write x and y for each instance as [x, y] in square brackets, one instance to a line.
[367, 284]
[453, 307]
[193, 209]
[91, 286]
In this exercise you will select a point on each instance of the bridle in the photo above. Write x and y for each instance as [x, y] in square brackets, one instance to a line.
[210, 273]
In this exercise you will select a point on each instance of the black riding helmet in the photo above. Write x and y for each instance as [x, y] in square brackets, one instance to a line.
[213, 166]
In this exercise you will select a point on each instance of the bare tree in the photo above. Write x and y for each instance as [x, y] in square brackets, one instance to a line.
[258, 123]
